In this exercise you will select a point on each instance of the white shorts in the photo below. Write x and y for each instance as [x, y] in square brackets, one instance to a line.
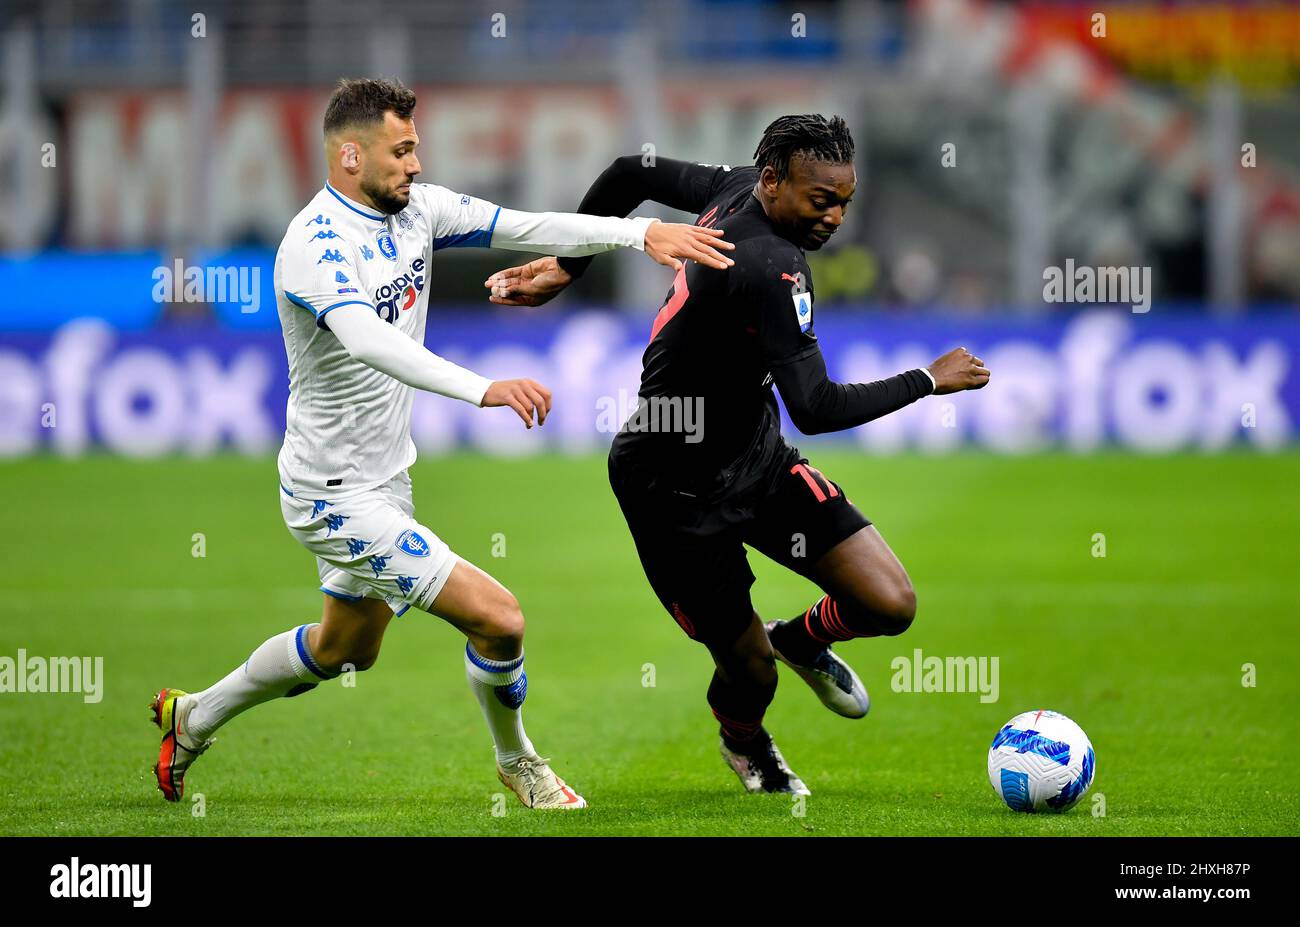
[369, 546]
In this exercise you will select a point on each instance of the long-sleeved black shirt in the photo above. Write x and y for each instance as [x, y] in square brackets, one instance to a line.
[723, 337]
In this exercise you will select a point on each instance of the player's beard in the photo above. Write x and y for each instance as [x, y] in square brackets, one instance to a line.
[386, 201]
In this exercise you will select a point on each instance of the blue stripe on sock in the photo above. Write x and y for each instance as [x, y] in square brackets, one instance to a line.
[492, 666]
[300, 639]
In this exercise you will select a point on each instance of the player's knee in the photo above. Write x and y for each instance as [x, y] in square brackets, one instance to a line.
[505, 619]
[897, 609]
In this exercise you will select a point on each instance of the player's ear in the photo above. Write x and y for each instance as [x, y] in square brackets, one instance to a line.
[350, 156]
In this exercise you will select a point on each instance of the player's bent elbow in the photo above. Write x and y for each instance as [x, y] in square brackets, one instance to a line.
[805, 420]
[625, 164]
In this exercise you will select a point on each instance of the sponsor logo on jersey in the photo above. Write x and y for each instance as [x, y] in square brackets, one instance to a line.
[406, 218]
[347, 289]
[340, 277]
[400, 294]
[366, 252]
[464, 200]
[411, 542]
[386, 246]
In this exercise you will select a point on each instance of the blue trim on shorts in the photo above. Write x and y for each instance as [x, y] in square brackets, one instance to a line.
[406, 606]
[342, 595]
[300, 639]
[287, 492]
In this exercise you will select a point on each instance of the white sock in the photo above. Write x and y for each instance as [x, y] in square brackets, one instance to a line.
[500, 687]
[282, 666]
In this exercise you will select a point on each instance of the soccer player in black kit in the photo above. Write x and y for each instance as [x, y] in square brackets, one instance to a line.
[692, 501]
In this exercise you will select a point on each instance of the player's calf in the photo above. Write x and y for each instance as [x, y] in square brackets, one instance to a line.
[743, 685]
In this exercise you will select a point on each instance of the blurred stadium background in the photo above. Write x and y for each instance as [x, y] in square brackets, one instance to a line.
[137, 135]
[995, 140]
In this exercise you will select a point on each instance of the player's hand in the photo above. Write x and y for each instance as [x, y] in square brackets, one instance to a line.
[957, 370]
[524, 396]
[529, 284]
[670, 243]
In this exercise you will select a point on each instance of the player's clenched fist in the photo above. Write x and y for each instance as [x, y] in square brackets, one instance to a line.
[957, 370]
[524, 396]
[670, 243]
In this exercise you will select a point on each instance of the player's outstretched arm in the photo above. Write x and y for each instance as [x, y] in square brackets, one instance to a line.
[381, 347]
[540, 281]
[633, 179]
[621, 188]
[818, 404]
[562, 233]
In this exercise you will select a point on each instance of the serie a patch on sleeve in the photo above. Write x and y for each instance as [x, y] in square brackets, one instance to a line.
[803, 313]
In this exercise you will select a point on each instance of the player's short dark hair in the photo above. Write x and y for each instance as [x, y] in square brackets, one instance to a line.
[364, 102]
[810, 135]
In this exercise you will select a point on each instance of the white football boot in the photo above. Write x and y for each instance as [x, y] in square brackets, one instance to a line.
[834, 681]
[538, 786]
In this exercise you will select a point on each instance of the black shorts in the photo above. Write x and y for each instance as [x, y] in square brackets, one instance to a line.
[694, 553]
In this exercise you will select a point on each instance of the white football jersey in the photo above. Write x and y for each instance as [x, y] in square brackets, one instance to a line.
[348, 426]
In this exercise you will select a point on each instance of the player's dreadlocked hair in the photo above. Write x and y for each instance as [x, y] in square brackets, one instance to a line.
[812, 136]
[364, 102]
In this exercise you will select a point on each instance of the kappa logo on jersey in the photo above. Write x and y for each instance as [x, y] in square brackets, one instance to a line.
[366, 252]
[332, 257]
[802, 299]
[411, 542]
[319, 220]
[386, 246]
[392, 299]
[326, 234]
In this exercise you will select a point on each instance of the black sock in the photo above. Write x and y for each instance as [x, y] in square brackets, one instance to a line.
[739, 710]
[792, 640]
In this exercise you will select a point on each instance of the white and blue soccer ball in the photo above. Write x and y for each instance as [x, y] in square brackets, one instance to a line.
[1041, 761]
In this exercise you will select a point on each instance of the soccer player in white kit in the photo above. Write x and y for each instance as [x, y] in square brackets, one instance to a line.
[352, 280]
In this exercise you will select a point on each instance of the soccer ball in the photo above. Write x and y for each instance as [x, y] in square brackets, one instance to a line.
[1041, 761]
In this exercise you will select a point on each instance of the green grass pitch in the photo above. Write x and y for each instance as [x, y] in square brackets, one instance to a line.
[1144, 648]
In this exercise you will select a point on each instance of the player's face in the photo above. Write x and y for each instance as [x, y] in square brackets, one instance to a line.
[390, 164]
[812, 199]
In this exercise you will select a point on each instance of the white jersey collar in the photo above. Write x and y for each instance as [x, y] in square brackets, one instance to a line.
[356, 207]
